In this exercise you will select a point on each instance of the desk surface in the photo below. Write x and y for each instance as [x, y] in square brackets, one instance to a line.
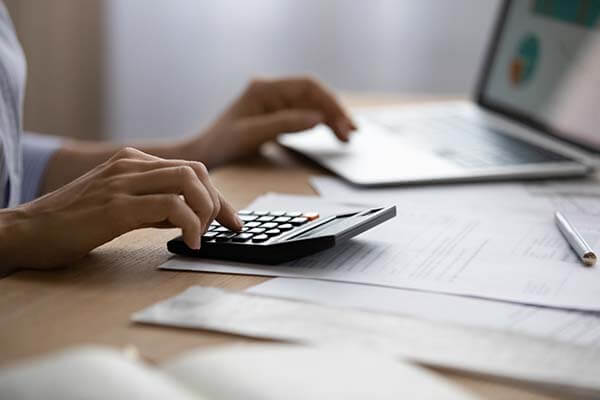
[91, 302]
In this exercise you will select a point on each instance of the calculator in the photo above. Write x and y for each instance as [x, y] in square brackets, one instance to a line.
[273, 237]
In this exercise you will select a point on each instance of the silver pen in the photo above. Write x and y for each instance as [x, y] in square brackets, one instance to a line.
[577, 243]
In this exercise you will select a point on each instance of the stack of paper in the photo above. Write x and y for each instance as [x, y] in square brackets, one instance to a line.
[485, 256]
[560, 366]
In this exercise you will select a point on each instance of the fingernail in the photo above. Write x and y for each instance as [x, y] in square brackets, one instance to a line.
[352, 124]
[343, 129]
[240, 223]
[196, 244]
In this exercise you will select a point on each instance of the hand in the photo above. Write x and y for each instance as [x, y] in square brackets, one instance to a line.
[264, 110]
[129, 191]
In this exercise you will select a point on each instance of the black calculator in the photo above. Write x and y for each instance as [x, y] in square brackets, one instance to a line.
[273, 237]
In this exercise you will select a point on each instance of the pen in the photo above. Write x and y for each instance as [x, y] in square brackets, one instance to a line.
[577, 243]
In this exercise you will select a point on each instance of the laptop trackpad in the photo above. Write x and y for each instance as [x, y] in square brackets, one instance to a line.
[373, 155]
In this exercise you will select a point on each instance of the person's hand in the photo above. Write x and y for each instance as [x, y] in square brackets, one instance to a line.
[264, 110]
[129, 191]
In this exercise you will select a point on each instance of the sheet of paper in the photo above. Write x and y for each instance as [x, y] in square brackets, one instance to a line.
[291, 372]
[575, 327]
[90, 373]
[472, 349]
[580, 196]
[523, 258]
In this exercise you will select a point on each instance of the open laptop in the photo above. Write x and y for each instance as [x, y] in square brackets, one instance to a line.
[507, 132]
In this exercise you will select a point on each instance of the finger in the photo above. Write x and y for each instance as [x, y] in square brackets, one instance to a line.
[131, 153]
[180, 179]
[228, 216]
[261, 128]
[204, 177]
[156, 209]
[307, 92]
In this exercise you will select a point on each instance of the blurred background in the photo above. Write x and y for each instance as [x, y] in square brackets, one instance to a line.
[110, 69]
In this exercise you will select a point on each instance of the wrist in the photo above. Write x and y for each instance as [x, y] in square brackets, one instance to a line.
[14, 232]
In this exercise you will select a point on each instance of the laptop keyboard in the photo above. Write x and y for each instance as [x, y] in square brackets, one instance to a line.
[469, 145]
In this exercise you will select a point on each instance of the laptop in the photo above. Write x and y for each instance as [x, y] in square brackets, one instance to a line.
[508, 131]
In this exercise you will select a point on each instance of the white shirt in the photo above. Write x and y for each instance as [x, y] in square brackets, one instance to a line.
[23, 158]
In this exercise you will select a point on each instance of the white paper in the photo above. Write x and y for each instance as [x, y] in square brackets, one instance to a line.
[537, 198]
[90, 373]
[471, 349]
[291, 372]
[575, 327]
[523, 258]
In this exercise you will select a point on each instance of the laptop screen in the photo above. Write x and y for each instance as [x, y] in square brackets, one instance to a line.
[542, 51]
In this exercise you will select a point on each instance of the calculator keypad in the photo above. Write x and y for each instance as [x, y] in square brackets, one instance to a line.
[259, 226]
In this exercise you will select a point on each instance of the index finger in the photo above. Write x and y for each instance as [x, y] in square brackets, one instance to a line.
[227, 215]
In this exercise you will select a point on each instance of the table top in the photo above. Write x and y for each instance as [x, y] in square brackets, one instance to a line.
[92, 300]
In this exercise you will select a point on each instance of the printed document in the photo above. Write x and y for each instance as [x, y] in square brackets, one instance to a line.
[575, 327]
[522, 258]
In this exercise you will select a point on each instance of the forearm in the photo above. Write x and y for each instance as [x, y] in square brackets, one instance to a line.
[75, 158]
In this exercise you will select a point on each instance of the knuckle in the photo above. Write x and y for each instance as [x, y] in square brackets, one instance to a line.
[118, 166]
[127, 152]
[200, 169]
[308, 79]
[256, 85]
[113, 185]
[172, 201]
[186, 173]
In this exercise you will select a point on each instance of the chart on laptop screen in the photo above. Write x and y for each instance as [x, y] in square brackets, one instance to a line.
[540, 41]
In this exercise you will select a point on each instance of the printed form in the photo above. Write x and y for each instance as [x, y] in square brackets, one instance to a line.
[497, 255]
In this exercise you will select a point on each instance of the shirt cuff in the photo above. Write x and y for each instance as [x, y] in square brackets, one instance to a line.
[37, 150]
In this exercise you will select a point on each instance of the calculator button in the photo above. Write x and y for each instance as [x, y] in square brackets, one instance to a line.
[221, 229]
[215, 223]
[260, 238]
[311, 216]
[248, 218]
[242, 237]
[285, 227]
[257, 230]
[299, 221]
[261, 213]
[244, 212]
[293, 214]
[283, 219]
[277, 213]
[269, 225]
[223, 237]
[252, 224]
[273, 232]
[266, 218]
[209, 236]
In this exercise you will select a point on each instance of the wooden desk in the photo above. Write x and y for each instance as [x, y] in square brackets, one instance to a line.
[91, 301]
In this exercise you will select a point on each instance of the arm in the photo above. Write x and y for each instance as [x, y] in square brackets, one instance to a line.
[264, 110]
[131, 190]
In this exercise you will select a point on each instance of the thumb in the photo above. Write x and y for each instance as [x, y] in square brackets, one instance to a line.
[268, 126]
